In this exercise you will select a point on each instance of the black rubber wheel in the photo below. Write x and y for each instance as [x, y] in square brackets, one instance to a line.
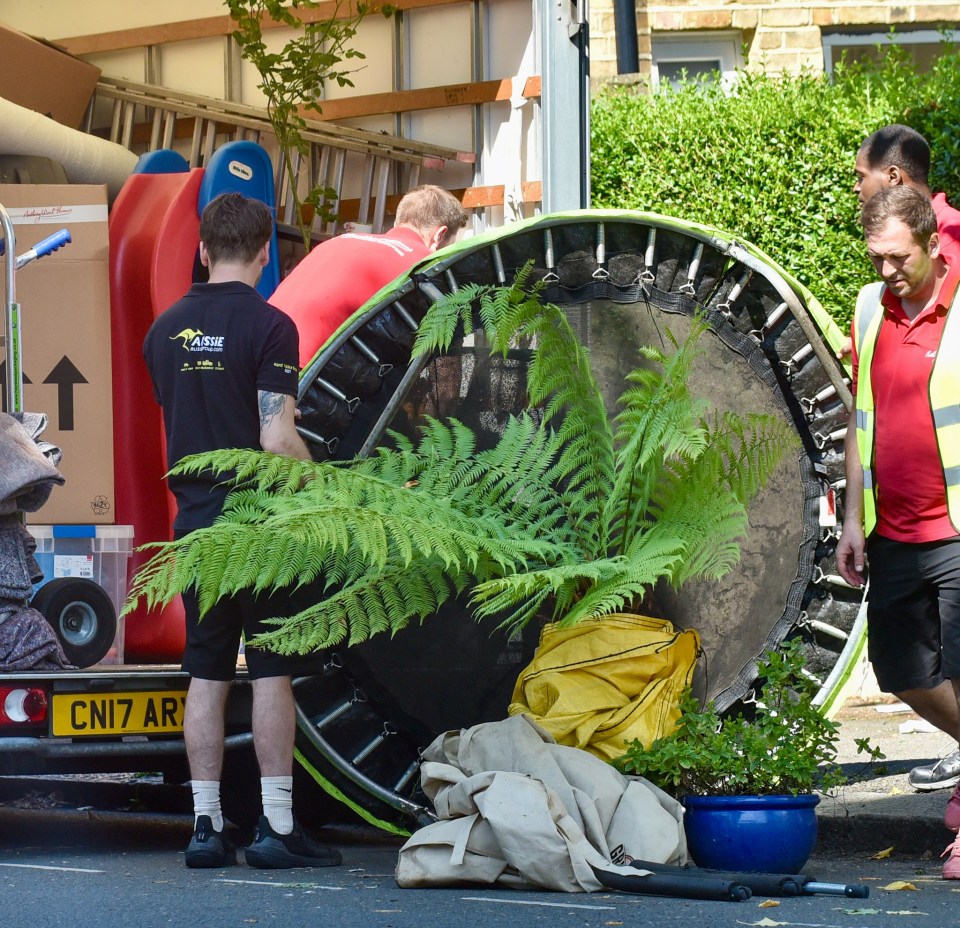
[82, 616]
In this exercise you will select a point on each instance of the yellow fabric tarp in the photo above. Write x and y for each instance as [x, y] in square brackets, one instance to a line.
[602, 683]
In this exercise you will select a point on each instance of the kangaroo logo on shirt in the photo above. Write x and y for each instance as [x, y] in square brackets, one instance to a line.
[188, 335]
[195, 340]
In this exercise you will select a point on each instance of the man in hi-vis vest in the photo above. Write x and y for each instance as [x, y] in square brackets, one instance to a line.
[892, 156]
[903, 464]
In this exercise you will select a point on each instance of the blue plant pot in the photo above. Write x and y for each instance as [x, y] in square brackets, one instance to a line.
[768, 834]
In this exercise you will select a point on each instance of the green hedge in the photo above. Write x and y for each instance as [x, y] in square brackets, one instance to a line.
[772, 161]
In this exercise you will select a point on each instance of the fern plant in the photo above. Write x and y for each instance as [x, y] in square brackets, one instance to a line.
[566, 515]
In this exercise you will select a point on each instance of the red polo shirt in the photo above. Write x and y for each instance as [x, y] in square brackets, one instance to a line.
[338, 276]
[948, 226]
[911, 494]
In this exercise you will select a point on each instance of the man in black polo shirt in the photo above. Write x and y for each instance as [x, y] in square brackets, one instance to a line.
[224, 368]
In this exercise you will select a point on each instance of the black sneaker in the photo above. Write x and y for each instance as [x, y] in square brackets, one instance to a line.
[209, 848]
[941, 775]
[271, 851]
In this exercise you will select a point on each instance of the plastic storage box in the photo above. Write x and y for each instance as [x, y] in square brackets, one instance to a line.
[100, 553]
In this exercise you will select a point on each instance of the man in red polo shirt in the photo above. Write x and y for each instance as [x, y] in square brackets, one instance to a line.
[338, 276]
[903, 464]
[892, 156]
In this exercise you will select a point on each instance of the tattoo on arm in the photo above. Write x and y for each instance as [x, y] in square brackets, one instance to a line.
[271, 407]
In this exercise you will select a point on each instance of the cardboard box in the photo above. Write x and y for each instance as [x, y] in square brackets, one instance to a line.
[42, 77]
[65, 334]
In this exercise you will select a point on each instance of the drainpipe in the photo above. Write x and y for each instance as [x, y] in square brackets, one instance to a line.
[625, 27]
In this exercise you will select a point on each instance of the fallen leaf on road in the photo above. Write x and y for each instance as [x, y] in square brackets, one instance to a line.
[613, 923]
[881, 855]
[859, 911]
[768, 904]
[905, 913]
[898, 885]
[764, 923]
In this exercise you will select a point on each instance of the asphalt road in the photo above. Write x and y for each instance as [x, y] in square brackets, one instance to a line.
[112, 869]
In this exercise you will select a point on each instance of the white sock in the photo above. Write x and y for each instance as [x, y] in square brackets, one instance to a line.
[277, 794]
[206, 801]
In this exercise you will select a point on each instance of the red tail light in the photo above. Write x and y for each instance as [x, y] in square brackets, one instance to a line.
[22, 705]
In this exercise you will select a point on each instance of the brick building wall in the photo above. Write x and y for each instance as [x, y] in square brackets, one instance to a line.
[776, 35]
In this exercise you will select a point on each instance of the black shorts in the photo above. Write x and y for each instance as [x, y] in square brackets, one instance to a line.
[913, 613]
[213, 642]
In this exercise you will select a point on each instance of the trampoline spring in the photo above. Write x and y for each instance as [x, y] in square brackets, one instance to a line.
[376, 741]
[648, 277]
[338, 394]
[601, 273]
[809, 403]
[726, 307]
[364, 349]
[317, 439]
[830, 630]
[822, 579]
[688, 288]
[332, 390]
[405, 316]
[407, 776]
[498, 264]
[770, 323]
[382, 368]
[822, 440]
[333, 715]
[792, 365]
[548, 251]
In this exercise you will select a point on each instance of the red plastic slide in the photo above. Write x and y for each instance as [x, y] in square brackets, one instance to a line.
[154, 234]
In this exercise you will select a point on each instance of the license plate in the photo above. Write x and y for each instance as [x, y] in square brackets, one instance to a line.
[81, 715]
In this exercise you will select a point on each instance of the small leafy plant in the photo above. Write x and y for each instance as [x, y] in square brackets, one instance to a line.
[293, 78]
[789, 746]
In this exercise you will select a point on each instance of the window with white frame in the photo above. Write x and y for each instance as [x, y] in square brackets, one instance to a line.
[923, 46]
[706, 56]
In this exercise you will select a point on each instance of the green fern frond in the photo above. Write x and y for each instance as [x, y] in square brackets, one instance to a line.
[374, 604]
[438, 327]
[259, 469]
[659, 554]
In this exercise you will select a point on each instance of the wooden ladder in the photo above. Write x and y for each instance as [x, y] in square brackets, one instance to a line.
[144, 118]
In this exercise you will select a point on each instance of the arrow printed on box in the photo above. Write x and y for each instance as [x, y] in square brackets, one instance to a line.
[3, 383]
[65, 375]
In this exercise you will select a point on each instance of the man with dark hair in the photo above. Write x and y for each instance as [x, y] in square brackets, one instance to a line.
[339, 275]
[895, 156]
[224, 369]
[903, 465]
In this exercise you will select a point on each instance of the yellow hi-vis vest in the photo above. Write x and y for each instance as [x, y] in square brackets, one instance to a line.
[943, 390]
